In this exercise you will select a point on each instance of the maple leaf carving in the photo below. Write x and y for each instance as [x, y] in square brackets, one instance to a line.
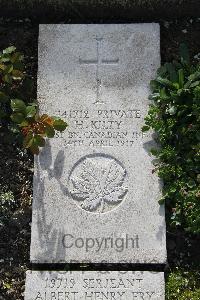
[98, 181]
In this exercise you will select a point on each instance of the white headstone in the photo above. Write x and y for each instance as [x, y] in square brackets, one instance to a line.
[95, 195]
[93, 285]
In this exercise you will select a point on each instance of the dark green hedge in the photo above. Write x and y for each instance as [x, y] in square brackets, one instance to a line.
[83, 10]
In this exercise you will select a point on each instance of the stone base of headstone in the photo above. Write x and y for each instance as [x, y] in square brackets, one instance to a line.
[94, 285]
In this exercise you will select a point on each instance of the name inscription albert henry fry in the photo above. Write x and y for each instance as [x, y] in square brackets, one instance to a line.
[94, 285]
[95, 195]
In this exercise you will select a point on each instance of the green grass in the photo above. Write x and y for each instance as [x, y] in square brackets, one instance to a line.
[183, 285]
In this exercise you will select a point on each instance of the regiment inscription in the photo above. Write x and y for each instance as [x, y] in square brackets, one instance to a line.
[104, 128]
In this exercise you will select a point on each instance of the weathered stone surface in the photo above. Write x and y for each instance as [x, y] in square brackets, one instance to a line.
[95, 195]
[93, 285]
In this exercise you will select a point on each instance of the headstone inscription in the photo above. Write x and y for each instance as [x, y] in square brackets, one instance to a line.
[95, 195]
[92, 285]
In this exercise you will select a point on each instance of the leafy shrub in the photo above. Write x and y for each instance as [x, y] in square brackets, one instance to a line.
[18, 112]
[183, 285]
[7, 202]
[175, 116]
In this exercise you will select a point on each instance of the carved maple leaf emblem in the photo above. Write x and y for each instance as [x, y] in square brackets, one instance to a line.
[97, 182]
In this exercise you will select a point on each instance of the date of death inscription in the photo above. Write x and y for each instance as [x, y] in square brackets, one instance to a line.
[102, 128]
[71, 288]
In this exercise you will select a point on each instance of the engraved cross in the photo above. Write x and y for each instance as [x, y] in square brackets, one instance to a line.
[98, 62]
